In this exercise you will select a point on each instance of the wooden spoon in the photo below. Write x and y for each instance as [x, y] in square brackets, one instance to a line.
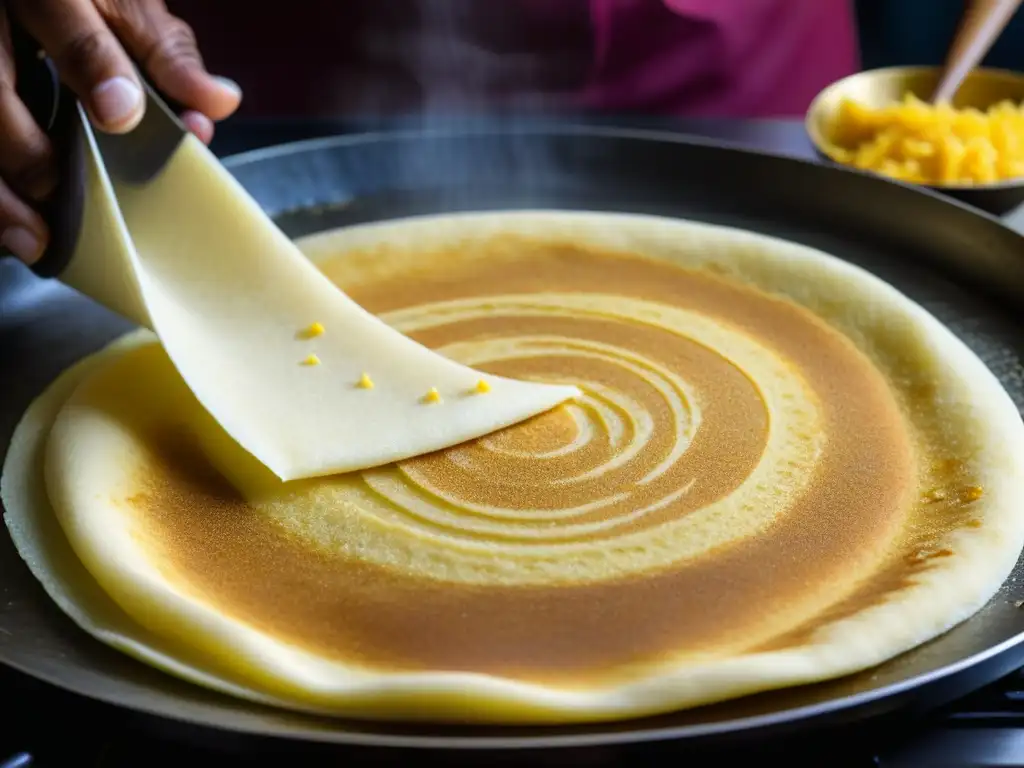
[980, 27]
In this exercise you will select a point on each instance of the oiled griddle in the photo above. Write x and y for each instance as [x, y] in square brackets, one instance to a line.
[965, 267]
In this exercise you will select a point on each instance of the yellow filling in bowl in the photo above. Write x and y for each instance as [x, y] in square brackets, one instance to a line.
[914, 141]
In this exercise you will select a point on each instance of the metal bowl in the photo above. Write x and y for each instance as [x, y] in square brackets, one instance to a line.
[878, 87]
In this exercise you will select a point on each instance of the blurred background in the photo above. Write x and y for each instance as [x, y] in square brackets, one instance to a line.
[907, 32]
[365, 59]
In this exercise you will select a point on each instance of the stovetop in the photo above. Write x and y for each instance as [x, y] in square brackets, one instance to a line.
[44, 727]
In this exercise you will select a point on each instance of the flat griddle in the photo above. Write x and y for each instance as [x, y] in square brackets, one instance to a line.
[967, 268]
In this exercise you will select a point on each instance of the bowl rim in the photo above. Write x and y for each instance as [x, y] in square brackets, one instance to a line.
[820, 144]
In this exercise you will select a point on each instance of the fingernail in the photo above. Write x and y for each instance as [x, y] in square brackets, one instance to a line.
[22, 243]
[229, 85]
[200, 125]
[117, 102]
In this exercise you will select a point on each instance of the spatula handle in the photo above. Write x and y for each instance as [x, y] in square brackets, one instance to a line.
[55, 110]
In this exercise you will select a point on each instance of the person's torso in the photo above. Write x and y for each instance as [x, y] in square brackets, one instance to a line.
[361, 58]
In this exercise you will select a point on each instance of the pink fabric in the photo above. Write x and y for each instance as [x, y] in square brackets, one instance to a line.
[728, 58]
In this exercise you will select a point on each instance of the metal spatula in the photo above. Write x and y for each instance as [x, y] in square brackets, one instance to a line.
[151, 225]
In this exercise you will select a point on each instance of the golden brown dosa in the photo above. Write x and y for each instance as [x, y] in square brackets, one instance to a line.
[781, 470]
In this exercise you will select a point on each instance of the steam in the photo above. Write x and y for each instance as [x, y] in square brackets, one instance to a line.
[457, 84]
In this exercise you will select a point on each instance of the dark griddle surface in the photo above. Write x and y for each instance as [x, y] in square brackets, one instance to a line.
[60, 729]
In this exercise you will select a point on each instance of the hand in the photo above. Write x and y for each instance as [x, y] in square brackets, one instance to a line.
[93, 43]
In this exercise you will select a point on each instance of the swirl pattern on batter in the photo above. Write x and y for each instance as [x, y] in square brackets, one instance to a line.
[734, 468]
[780, 470]
[689, 434]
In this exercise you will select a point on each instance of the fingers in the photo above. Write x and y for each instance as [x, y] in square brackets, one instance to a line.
[166, 47]
[80, 37]
[89, 58]
[199, 124]
[22, 231]
[26, 157]
[26, 164]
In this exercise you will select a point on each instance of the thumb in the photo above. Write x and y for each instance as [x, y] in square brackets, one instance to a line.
[166, 48]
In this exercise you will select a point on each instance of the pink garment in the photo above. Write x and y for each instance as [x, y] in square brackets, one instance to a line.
[363, 58]
[723, 58]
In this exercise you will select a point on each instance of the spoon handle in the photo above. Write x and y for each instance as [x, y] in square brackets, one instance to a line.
[982, 23]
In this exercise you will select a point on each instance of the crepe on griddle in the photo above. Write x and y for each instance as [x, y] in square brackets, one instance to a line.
[781, 470]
